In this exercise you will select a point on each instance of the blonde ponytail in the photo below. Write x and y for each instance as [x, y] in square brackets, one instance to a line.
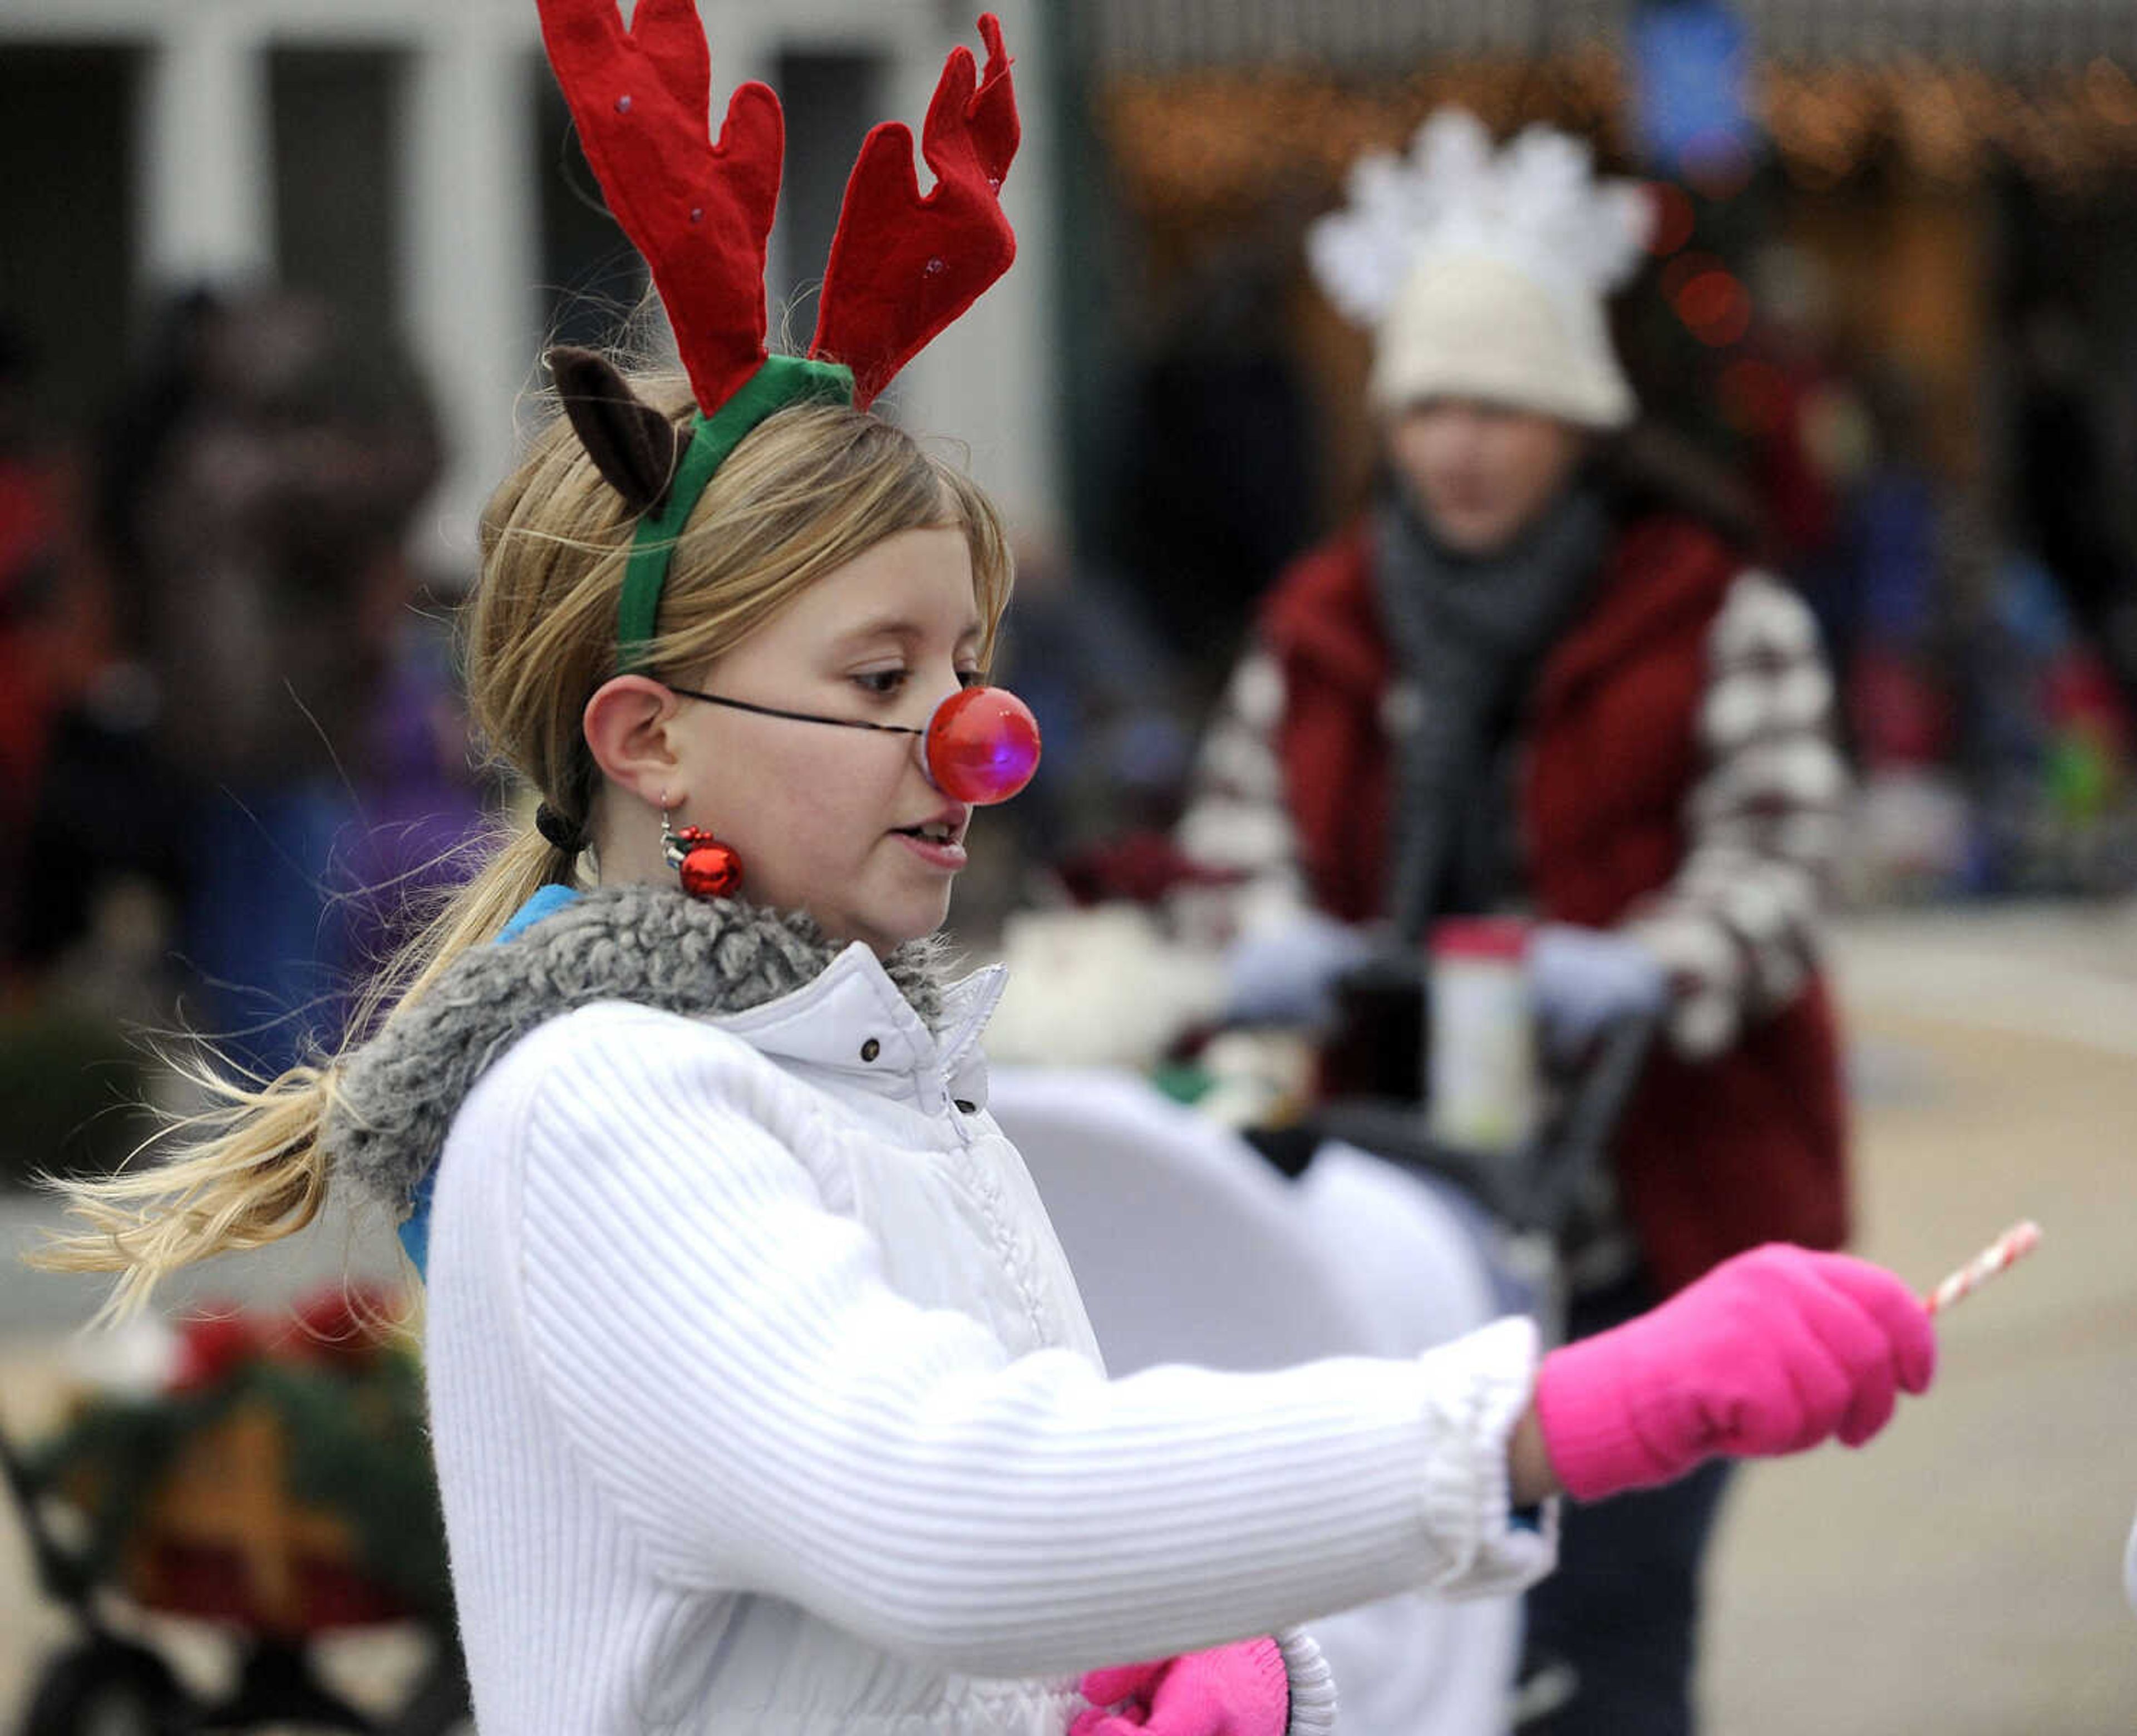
[249, 1169]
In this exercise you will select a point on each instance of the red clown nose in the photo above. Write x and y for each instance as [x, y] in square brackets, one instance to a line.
[982, 745]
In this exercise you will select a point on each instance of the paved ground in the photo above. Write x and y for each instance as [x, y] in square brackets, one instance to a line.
[1960, 1579]
[1963, 1576]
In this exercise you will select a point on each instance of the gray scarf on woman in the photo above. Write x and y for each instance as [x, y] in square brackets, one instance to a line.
[1467, 638]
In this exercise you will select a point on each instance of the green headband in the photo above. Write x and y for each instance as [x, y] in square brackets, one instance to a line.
[782, 381]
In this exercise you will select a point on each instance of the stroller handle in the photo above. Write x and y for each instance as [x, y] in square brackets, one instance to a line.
[1539, 1185]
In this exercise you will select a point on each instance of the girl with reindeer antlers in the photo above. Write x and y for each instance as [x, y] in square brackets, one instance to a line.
[762, 1397]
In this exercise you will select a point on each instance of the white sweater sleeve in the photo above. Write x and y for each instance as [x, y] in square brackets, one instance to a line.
[766, 1414]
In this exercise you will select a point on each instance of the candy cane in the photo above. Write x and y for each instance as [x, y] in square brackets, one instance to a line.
[2007, 1249]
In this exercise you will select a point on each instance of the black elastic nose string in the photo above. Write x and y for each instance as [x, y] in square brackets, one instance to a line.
[773, 711]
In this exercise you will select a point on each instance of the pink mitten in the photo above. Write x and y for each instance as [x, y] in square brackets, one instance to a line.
[1770, 1353]
[1241, 1690]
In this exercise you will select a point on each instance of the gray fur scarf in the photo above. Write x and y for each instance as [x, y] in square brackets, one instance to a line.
[395, 1097]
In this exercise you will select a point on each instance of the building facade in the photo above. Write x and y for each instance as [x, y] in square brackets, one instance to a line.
[1145, 36]
[407, 159]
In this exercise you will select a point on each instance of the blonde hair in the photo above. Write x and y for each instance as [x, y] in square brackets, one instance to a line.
[809, 490]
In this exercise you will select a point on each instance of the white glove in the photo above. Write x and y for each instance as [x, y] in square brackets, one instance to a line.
[1288, 975]
[1584, 978]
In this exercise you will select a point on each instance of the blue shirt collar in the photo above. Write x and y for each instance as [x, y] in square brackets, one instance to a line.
[415, 1230]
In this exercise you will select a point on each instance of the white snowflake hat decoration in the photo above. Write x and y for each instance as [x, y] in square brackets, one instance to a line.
[1484, 272]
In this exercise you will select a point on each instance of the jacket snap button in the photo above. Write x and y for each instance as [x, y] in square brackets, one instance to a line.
[870, 1049]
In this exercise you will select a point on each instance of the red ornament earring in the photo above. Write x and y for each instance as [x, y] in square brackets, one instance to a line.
[709, 869]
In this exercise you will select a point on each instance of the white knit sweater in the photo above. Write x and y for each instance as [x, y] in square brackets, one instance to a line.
[764, 1401]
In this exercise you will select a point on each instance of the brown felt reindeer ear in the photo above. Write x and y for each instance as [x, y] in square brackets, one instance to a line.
[632, 445]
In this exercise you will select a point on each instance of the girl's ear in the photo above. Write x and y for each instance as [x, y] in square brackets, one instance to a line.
[632, 445]
[626, 727]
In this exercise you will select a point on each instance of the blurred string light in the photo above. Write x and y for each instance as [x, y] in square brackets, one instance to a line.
[1199, 153]
[1691, 73]
[1212, 145]
[1208, 146]
[1716, 307]
[1675, 218]
[1756, 394]
[1710, 298]
[1679, 273]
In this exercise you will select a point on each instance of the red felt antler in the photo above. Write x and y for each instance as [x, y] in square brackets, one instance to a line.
[901, 266]
[700, 213]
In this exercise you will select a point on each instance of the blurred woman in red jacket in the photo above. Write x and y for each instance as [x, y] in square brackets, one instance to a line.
[1522, 681]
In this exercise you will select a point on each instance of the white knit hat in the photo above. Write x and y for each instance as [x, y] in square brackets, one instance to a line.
[1484, 274]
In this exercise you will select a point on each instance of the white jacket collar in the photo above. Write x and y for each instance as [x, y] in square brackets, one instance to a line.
[852, 1021]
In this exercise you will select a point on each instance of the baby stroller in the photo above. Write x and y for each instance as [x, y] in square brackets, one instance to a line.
[1344, 1230]
[199, 1502]
[1190, 1248]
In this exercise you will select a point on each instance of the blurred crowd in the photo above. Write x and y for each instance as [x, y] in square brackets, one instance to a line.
[1986, 665]
[231, 747]
[1979, 625]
